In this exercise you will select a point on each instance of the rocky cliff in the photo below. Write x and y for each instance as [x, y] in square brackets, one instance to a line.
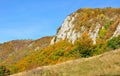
[98, 23]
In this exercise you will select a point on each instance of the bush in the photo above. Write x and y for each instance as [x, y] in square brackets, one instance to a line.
[114, 43]
[4, 71]
[84, 44]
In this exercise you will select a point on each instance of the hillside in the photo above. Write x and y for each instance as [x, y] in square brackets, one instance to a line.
[13, 51]
[85, 33]
[105, 64]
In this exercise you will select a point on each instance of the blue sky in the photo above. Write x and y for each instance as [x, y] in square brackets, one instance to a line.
[33, 19]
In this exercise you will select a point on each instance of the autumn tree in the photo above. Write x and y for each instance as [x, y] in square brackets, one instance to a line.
[84, 45]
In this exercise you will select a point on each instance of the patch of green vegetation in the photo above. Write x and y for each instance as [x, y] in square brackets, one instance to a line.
[103, 31]
[107, 25]
[114, 43]
[4, 71]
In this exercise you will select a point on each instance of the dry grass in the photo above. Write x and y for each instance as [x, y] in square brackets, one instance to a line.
[107, 64]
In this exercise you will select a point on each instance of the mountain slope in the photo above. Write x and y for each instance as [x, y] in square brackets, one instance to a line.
[13, 51]
[85, 33]
[98, 23]
[104, 64]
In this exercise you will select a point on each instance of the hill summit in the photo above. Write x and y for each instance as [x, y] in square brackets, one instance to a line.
[98, 23]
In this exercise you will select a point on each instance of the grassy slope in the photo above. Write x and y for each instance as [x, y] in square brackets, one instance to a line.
[104, 64]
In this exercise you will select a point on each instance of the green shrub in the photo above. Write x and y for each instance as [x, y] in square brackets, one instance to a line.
[74, 52]
[114, 43]
[102, 32]
[84, 45]
[4, 71]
